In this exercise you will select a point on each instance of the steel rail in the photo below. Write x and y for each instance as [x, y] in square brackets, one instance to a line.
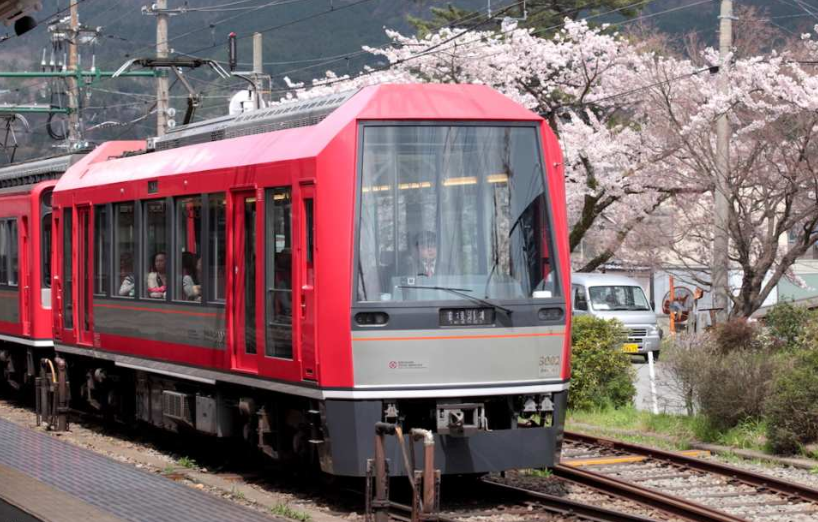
[565, 507]
[767, 482]
[677, 506]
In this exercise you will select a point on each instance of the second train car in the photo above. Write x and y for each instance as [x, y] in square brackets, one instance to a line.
[293, 275]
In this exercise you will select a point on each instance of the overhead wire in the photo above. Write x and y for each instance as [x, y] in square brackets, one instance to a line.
[212, 25]
[459, 35]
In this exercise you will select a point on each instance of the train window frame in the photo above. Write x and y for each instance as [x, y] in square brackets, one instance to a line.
[556, 297]
[270, 251]
[176, 295]
[10, 244]
[68, 282]
[116, 254]
[144, 254]
[211, 296]
[46, 239]
[107, 246]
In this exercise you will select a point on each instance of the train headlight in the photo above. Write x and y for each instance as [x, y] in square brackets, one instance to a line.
[550, 314]
[371, 318]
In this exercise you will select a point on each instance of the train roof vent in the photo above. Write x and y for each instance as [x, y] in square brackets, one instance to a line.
[37, 170]
[299, 113]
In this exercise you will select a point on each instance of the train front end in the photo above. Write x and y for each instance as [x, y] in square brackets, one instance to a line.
[460, 318]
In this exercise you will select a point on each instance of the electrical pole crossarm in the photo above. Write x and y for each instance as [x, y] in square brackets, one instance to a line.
[72, 74]
[6, 110]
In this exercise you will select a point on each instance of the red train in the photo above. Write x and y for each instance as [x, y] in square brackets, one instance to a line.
[25, 264]
[293, 275]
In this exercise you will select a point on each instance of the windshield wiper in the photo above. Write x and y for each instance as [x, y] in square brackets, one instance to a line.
[462, 293]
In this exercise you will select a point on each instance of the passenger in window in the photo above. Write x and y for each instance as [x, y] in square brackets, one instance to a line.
[126, 276]
[157, 278]
[191, 271]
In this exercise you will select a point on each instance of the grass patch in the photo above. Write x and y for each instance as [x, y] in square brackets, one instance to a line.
[541, 473]
[235, 493]
[684, 429]
[284, 510]
[187, 462]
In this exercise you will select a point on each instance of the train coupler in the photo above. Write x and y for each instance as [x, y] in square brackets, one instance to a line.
[52, 394]
[425, 483]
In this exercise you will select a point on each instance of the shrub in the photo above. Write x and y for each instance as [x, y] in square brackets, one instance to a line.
[737, 334]
[734, 386]
[788, 323]
[601, 372]
[727, 387]
[683, 357]
[792, 404]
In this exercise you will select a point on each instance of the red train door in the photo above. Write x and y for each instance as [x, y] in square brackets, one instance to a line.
[25, 276]
[244, 261]
[84, 274]
[308, 315]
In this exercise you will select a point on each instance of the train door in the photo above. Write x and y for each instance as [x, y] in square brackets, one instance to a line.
[24, 277]
[308, 315]
[84, 272]
[244, 261]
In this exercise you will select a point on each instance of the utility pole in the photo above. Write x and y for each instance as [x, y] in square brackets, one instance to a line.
[162, 85]
[74, 131]
[721, 238]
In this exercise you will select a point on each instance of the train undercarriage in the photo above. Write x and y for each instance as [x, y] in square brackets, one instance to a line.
[473, 435]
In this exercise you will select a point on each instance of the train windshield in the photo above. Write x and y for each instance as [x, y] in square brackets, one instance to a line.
[453, 211]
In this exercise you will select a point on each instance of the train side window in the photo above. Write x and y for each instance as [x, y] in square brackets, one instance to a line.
[45, 233]
[279, 269]
[4, 257]
[217, 228]
[188, 249]
[154, 217]
[14, 253]
[68, 271]
[124, 248]
[102, 251]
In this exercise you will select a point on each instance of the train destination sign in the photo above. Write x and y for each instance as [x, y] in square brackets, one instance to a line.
[466, 317]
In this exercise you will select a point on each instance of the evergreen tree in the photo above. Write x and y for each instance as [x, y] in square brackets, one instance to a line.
[543, 15]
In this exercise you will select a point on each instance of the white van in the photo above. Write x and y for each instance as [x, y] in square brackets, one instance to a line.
[617, 297]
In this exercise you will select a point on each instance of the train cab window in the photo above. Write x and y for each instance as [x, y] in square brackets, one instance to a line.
[453, 206]
[188, 249]
[154, 216]
[124, 248]
[217, 228]
[279, 268]
[102, 251]
[4, 254]
[68, 270]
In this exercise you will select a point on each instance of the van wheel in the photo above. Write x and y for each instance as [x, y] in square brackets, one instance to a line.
[655, 356]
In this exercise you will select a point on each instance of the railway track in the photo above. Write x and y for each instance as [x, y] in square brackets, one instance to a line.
[690, 488]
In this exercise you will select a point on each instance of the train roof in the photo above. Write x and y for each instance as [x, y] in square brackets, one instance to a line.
[380, 102]
[26, 173]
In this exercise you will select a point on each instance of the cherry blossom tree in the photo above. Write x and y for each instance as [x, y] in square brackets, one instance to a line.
[772, 105]
[637, 125]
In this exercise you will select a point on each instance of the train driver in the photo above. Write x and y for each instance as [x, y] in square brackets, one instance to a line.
[423, 261]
